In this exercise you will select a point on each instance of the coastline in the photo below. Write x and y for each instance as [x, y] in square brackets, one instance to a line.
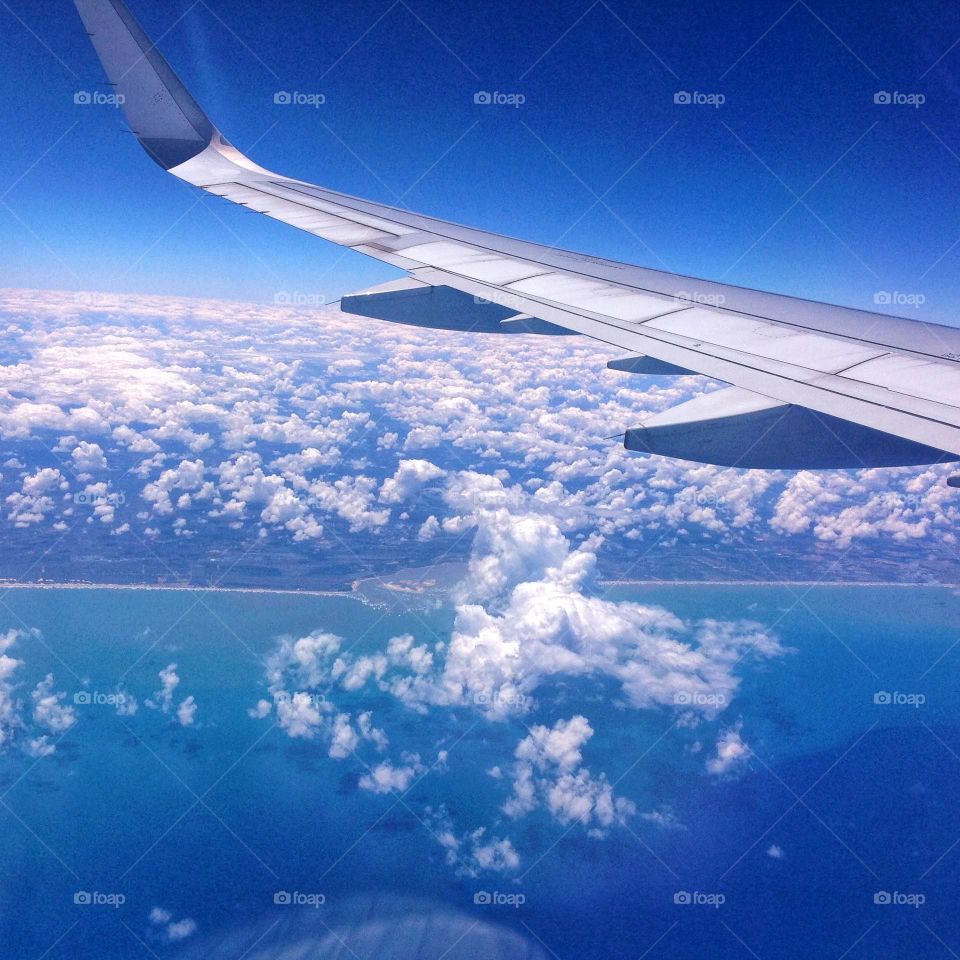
[354, 592]
[171, 588]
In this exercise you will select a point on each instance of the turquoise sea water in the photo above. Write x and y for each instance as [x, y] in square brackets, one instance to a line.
[843, 798]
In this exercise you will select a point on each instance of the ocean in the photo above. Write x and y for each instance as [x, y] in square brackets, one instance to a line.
[139, 836]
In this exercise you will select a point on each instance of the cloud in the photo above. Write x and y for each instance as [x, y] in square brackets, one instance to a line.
[181, 930]
[173, 931]
[169, 681]
[732, 752]
[298, 715]
[387, 778]
[49, 711]
[36, 498]
[88, 457]
[474, 852]
[345, 738]
[49, 714]
[410, 478]
[186, 712]
[163, 699]
[237, 432]
[528, 613]
[548, 773]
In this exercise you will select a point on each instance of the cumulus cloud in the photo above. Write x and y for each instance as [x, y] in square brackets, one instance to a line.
[548, 772]
[732, 752]
[49, 711]
[237, 431]
[475, 851]
[50, 715]
[299, 715]
[163, 699]
[386, 777]
[186, 712]
[36, 498]
[526, 616]
[88, 457]
[169, 681]
[410, 477]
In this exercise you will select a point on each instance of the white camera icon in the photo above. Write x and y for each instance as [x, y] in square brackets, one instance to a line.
[682, 96]
[483, 96]
[282, 97]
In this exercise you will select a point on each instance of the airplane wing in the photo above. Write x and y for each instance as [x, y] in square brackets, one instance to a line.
[812, 385]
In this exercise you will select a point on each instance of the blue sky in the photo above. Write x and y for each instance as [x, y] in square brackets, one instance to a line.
[798, 183]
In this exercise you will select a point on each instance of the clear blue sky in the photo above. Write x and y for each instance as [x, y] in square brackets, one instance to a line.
[695, 189]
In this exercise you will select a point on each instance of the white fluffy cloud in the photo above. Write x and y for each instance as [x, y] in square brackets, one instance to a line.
[410, 477]
[226, 422]
[49, 711]
[731, 754]
[548, 772]
[88, 457]
[163, 699]
[387, 777]
[50, 715]
[528, 614]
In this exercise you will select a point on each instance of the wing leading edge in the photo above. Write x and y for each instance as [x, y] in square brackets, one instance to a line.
[813, 385]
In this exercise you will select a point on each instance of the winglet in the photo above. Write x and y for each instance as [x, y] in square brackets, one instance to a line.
[167, 121]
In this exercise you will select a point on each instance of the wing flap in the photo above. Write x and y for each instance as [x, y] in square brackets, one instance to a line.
[736, 428]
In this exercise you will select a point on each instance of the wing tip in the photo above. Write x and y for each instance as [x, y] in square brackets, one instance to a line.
[169, 123]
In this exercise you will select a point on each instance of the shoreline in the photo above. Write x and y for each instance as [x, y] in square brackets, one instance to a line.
[169, 588]
[354, 592]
